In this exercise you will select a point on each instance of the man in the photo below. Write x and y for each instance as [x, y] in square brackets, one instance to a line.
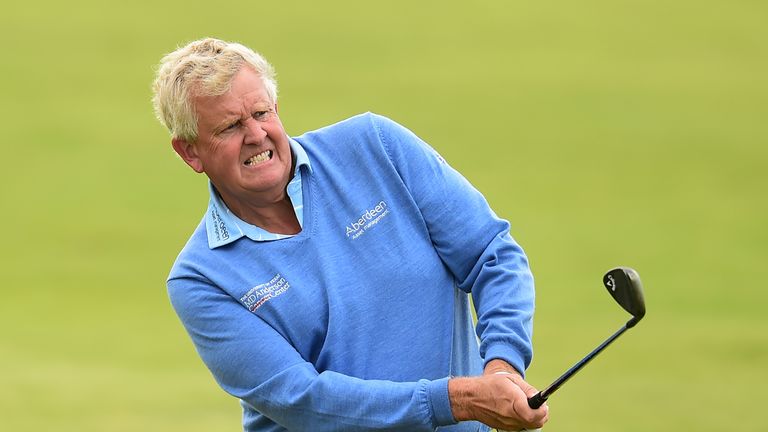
[327, 284]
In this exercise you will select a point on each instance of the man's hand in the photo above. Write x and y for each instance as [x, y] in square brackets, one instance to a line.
[497, 366]
[498, 399]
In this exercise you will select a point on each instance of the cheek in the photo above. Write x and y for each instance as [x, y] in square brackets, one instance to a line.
[224, 147]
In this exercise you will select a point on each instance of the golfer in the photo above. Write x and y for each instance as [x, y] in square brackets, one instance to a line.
[327, 286]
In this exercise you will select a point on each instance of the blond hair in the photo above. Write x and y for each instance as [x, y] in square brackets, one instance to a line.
[203, 67]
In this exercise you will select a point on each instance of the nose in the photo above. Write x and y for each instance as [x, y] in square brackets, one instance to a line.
[254, 132]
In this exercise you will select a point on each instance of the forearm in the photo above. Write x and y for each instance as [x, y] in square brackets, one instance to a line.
[255, 363]
[300, 399]
[473, 242]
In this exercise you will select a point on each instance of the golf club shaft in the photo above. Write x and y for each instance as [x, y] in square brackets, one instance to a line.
[539, 398]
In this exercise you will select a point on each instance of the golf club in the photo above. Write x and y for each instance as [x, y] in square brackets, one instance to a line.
[624, 285]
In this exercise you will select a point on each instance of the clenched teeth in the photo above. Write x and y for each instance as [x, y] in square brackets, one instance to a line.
[259, 158]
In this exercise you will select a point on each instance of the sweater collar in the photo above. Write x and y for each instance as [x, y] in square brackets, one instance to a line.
[224, 227]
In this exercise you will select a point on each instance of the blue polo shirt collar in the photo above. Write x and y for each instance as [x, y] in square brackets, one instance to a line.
[224, 227]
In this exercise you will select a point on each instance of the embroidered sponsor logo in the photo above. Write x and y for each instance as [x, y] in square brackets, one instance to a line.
[439, 158]
[260, 294]
[219, 227]
[367, 220]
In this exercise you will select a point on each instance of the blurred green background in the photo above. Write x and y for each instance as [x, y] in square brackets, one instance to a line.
[608, 132]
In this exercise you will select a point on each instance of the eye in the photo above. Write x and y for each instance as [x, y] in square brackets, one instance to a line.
[260, 115]
[230, 127]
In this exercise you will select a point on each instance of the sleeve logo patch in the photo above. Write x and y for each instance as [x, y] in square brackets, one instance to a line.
[262, 293]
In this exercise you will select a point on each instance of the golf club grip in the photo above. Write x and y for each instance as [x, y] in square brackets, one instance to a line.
[536, 400]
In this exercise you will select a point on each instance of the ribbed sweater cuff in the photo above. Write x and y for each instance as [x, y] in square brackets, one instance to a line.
[441, 405]
[508, 354]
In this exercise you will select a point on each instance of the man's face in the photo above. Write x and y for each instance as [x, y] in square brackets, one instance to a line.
[241, 145]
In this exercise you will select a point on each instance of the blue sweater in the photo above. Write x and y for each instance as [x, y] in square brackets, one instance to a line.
[357, 322]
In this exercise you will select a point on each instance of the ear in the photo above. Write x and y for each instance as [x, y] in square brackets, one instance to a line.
[188, 152]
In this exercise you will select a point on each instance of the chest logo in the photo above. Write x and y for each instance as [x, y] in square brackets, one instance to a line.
[367, 220]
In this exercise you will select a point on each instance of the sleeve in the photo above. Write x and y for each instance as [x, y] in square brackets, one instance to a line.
[251, 361]
[472, 241]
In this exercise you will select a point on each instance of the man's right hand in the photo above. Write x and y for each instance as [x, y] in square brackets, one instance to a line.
[497, 400]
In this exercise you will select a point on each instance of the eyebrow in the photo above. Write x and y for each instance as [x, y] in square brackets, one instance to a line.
[232, 117]
[228, 120]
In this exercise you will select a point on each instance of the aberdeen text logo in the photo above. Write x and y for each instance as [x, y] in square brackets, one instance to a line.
[367, 220]
[219, 227]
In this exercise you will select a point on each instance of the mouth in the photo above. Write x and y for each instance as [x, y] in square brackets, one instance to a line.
[258, 158]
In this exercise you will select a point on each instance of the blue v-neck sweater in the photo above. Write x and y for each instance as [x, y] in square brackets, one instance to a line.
[358, 322]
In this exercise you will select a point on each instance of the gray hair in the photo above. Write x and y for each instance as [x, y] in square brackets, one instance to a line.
[203, 67]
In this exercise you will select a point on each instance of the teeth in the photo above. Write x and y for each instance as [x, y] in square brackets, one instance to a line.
[259, 158]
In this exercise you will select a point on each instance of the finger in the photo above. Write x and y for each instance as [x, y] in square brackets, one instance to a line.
[528, 389]
[531, 418]
[541, 416]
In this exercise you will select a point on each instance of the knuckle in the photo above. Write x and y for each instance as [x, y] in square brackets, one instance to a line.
[530, 417]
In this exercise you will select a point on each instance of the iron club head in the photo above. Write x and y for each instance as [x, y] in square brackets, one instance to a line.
[623, 283]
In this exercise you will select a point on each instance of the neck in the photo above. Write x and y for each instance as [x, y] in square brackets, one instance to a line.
[277, 217]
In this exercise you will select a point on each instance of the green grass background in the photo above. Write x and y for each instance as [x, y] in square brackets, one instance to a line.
[608, 132]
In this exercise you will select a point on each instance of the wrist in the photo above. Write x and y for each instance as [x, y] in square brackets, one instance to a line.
[460, 394]
[497, 366]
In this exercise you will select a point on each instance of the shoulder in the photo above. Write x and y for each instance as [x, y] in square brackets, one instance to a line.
[363, 133]
[361, 125]
[195, 251]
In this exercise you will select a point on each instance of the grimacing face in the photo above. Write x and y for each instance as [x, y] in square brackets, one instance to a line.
[242, 146]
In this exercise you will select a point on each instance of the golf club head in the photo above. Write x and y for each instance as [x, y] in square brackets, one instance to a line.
[624, 285]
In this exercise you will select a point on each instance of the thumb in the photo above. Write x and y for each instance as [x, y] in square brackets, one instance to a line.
[528, 389]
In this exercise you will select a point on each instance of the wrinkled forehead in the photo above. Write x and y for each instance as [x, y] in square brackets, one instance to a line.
[245, 94]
